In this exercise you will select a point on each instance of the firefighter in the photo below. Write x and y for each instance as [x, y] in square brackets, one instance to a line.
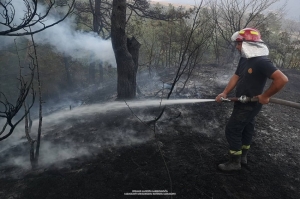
[253, 70]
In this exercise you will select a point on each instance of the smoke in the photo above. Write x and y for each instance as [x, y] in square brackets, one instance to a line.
[63, 37]
[67, 134]
[76, 44]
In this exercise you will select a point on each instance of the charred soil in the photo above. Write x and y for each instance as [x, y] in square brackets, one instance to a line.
[175, 158]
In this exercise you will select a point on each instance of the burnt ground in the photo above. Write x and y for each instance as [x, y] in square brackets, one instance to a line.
[115, 153]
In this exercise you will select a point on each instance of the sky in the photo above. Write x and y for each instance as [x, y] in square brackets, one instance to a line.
[292, 8]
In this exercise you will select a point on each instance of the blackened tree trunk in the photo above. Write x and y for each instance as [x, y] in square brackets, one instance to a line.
[97, 29]
[95, 9]
[126, 68]
[133, 47]
[96, 15]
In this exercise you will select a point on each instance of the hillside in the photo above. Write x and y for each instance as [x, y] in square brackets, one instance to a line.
[98, 152]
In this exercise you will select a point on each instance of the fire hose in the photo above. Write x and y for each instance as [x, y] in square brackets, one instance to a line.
[245, 99]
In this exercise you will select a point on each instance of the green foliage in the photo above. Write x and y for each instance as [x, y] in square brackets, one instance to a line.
[53, 72]
[286, 49]
[163, 42]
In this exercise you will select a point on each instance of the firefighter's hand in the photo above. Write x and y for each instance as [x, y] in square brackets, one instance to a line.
[221, 95]
[263, 99]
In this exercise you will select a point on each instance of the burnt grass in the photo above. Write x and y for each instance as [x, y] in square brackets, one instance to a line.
[177, 157]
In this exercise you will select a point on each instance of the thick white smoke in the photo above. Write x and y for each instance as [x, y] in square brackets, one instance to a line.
[77, 44]
[63, 37]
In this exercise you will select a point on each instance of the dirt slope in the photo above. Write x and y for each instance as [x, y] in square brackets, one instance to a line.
[177, 158]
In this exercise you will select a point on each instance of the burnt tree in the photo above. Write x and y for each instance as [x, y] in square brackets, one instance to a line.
[133, 47]
[96, 26]
[100, 24]
[126, 66]
[126, 51]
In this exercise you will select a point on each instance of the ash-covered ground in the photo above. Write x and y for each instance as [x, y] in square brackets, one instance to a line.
[104, 149]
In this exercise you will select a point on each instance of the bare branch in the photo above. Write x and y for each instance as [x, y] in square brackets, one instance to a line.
[31, 17]
[9, 111]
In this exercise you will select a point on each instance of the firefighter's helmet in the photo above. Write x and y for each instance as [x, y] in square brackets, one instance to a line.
[247, 34]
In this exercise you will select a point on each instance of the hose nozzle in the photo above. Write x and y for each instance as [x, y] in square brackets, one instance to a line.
[225, 99]
[242, 99]
[245, 99]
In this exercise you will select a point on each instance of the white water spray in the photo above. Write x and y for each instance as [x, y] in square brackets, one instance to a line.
[87, 110]
[175, 101]
[59, 123]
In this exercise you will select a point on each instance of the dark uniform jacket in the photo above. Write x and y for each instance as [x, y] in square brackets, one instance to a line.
[253, 74]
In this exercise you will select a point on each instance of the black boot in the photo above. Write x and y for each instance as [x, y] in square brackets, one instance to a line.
[233, 164]
[244, 156]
